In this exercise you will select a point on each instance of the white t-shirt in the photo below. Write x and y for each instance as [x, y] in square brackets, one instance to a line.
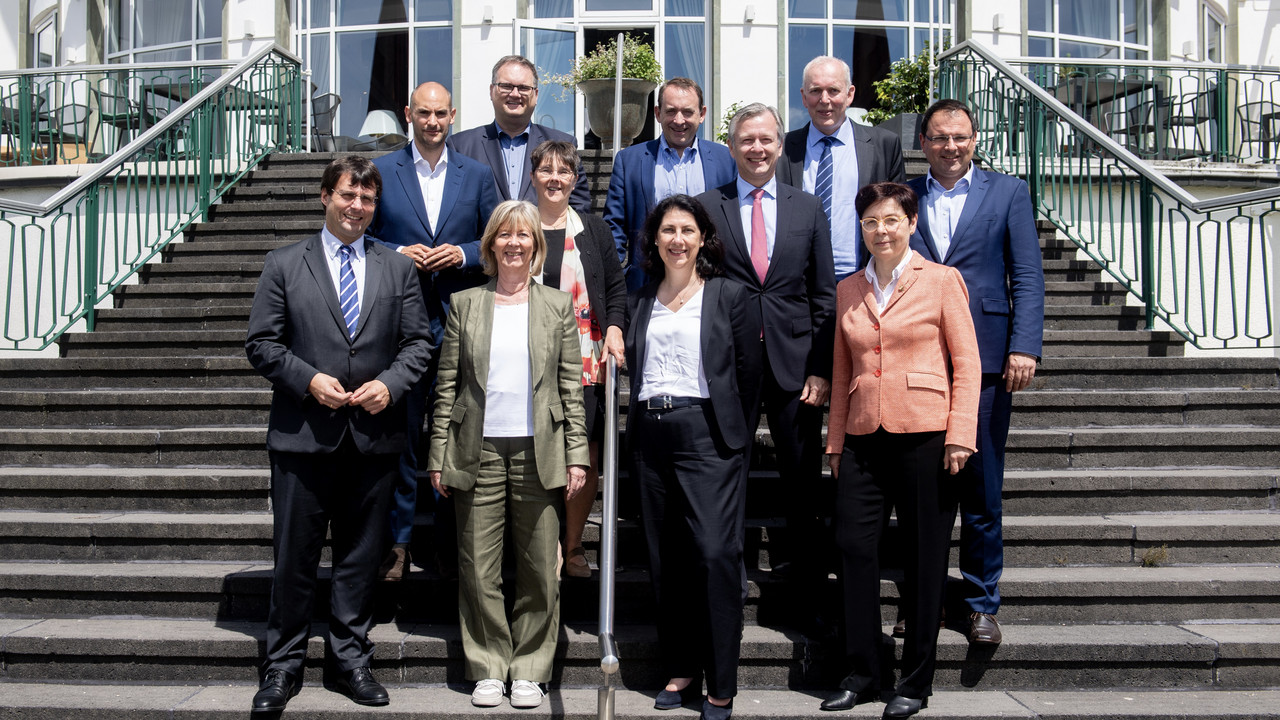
[508, 392]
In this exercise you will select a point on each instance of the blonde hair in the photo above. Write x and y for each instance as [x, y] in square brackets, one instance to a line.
[513, 215]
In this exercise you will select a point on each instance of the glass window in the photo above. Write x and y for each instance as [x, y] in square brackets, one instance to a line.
[372, 75]
[433, 11]
[435, 56]
[209, 51]
[1039, 47]
[161, 22]
[363, 12]
[1039, 13]
[804, 43]
[209, 19]
[1086, 51]
[182, 54]
[941, 10]
[320, 63]
[553, 9]
[686, 8]
[552, 51]
[686, 52]
[1212, 37]
[46, 49]
[869, 9]
[1089, 18]
[924, 36]
[1135, 21]
[807, 9]
[616, 5]
[320, 13]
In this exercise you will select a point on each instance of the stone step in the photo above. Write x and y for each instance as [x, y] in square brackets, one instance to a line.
[1129, 490]
[1158, 373]
[1098, 292]
[141, 372]
[193, 270]
[148, 319]
[202, 294]
[35, 701]
[1206, 656]
[1066, 269]
[1144, 446]
[1094, 317]
[137, 489]
[1112, 343]
[240, 590]
[1030, 541]
[159, 343]
[209, 446]
[206, 247]
[1077, 408]
[176, 407]
[279, 209]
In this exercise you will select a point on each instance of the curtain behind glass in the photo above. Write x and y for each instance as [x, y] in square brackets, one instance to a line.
[372, 75]
[160, 22]
[553, 9]
[435, 56]
[804, 43]
[552, 52]
[686, 53]
[1089, 18]
[364, 12]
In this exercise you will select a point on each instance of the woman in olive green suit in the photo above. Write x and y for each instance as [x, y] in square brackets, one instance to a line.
[508, 439]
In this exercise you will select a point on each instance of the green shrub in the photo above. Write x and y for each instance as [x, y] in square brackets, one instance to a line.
[905, 89]
[638, 62]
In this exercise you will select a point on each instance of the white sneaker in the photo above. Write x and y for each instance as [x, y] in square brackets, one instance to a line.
[488, 693]
[525, 694]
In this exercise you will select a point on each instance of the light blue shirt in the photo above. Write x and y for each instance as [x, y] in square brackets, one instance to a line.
[845, 238]
[513, 150]
[768, 203]
[677, 174]
[943, 207]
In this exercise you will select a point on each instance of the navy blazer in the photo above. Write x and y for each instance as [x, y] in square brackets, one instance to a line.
[797, 301]
[730, 343]
[630, 195]
[879, 156]
[401, 220]
[996, 248]
[296, 330]
[481, 143]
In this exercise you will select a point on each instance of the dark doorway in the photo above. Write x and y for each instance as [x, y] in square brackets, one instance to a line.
[591, 37]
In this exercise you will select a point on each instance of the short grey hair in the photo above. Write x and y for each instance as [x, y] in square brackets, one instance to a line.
[520, 60]
[826, 60]
[756, 109]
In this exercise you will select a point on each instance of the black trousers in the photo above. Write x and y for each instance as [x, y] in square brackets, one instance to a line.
[879, 472]
[693, 505]
[345, 492]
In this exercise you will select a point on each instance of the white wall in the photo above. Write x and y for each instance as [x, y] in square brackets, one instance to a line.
[9, 33]
[1259, 32]
[481, 45]
[248, 26]
[1007, 41]
[749, 57]
[73, 32]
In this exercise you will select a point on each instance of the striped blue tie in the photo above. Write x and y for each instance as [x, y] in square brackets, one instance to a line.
[826, 176]
[348, 294]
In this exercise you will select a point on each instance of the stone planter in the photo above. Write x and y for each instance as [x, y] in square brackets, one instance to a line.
[599, 95]
[907, 127]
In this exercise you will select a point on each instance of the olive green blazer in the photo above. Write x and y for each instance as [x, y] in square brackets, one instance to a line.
[555, 355]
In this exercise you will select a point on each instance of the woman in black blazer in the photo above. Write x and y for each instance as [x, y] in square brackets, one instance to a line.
[693, 349]
[582, 261]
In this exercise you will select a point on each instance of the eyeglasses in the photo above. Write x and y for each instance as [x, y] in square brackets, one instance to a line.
[350, 197]
[547, 173]
[870, 225]
[942, 139]
[507, 88]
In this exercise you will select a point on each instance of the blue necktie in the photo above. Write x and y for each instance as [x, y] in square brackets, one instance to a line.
[347, 292]
[826, 176]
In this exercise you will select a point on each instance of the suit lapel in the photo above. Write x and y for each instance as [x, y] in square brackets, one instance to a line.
[639, 329]
[319, 269]
[407, 175]
[781, 224]
[866, 154]
[479, 329]
[453, 178]
[374, 268]
[793, 156]
[868, 296]
[493, 150]
[733, 221]
[922, 222]
[651, 150]
[905, 281]
[541, 333]
[710, 301]
[973, 203]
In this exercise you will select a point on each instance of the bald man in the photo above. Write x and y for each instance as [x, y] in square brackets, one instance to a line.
[434, 207]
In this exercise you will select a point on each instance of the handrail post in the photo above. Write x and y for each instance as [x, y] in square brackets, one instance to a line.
[89, 273]
[1222, 128]
[1147, 228]
[26, 120]
[608, 540]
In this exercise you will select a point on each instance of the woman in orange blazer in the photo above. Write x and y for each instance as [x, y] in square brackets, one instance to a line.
[904, 417]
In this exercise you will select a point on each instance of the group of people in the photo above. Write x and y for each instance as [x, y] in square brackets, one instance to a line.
[465, 279]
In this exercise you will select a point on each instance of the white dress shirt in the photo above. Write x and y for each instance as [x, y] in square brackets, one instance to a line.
[334, 260]
[677, 173]
[943, 207]
[673, 352]
[431, 182]
[882, 296]
[769, 204]
[845, 239]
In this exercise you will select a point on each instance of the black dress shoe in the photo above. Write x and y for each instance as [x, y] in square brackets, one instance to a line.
[360, 686]
[275, 690]
[672, 699]
[846, 699]
[904, 707]
[716, 712]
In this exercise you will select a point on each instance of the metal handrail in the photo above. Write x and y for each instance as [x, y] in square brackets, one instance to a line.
[82, 69]
[608, 541]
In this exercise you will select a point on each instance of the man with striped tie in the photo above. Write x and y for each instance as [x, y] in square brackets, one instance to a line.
[339, 328]
[832, 157]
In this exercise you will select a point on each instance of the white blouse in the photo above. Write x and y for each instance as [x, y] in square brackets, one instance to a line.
[508, 391]
[673, 352]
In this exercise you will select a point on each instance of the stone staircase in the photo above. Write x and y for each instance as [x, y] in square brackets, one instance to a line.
[1142, 525]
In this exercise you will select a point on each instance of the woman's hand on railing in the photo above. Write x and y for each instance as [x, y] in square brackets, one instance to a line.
[614, 345]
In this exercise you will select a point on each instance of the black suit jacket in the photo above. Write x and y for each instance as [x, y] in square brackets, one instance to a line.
[730, 343]
[296, 330]
[481, 143]
[879, 157]
[797, 301]
[606, 287]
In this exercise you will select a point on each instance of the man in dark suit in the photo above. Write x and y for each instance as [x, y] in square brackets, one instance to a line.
[981, 223]
[678, 162]
[433, 210]
[506, 143]
[339, 328]
[832, 157]
[778, 245]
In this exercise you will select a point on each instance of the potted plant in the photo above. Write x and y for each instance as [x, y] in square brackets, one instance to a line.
[594, 74]
[903, 96]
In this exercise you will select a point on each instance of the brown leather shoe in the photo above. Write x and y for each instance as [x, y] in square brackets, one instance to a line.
[983, 629]
[396, 566]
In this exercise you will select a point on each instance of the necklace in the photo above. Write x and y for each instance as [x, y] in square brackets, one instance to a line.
[682, 296]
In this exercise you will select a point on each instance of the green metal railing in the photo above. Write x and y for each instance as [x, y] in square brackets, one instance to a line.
[67, 254]
[1204, 268]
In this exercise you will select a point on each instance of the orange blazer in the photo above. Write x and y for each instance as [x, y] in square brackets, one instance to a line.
[912, 368]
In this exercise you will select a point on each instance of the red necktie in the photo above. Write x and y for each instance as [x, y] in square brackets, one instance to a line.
[759, 240]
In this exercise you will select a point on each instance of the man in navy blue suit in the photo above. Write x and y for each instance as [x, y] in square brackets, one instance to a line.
[981, 223]
[505, 144]
[433, 209]
[678, 162]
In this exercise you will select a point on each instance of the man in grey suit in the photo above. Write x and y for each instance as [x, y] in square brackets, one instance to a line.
[506, 143]
[832, 157]
[339, 328]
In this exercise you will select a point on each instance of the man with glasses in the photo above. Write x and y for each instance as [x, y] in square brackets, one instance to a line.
[832, 157]
[339, 329]
[435, 206]
[506, 143]
[981, 223]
